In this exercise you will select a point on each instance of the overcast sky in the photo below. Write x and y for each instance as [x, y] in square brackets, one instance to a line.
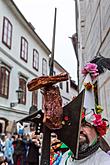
[41, 14]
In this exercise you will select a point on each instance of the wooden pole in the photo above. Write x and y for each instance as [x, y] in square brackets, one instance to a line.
[53, 46]
[45, 156]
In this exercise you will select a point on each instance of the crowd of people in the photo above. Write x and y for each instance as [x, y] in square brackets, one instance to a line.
[25, 149]
[19, 149]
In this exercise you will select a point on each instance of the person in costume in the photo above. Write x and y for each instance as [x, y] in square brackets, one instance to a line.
[89, 152]
[55, 151]
[93, 127]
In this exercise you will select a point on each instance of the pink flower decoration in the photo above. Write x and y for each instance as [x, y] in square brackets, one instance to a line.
[101, 129]
[98, 120]
[92, 69]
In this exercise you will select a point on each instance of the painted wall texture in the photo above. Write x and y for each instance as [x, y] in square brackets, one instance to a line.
[94, 38]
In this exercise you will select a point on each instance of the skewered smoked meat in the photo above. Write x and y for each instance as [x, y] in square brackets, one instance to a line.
[53, 110]
[44, 81]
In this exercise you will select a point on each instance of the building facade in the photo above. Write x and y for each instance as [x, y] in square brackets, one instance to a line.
[93, 35]
[23, 56]
[68, 89]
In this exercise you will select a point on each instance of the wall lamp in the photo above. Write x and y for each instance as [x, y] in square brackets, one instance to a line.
[19, 92]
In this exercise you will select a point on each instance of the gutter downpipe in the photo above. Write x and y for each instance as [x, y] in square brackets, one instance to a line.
[77, 16]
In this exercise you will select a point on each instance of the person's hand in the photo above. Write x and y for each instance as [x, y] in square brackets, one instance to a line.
[36, 142]
[33, 134]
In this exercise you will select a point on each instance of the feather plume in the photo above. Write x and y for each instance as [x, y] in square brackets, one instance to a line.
[102, 63]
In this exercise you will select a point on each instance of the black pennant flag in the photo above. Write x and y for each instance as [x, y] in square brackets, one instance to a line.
[69, 133]
[34, 117]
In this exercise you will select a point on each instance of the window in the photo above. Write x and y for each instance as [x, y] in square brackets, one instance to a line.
[24, 49]
[42, 102]
[35, 59]
[35, 98]
[67, 87]
[22, 85]
[44, 66]
[4, 81]
[7, 32]
[61, 85]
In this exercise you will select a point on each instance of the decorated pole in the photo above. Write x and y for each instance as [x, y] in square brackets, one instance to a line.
[45, 157]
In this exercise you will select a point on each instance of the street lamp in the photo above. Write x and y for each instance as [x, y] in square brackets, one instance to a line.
[19, 92]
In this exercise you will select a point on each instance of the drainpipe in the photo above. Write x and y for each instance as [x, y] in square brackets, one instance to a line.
[75, 39]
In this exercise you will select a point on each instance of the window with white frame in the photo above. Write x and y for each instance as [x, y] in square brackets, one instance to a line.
[44, 66]
[24, 49]
[7, 32]
[35, 59]
[4, 81]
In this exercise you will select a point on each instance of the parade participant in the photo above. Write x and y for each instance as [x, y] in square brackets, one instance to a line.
[89, 147]
[9, 150]
[33, 151]
[55, 150]
[2, 144]
[19, 150]
[92, 128]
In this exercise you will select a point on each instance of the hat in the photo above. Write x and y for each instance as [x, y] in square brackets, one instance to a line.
[92, 111]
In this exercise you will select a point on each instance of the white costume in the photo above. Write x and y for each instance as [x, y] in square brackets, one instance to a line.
[97, 158]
